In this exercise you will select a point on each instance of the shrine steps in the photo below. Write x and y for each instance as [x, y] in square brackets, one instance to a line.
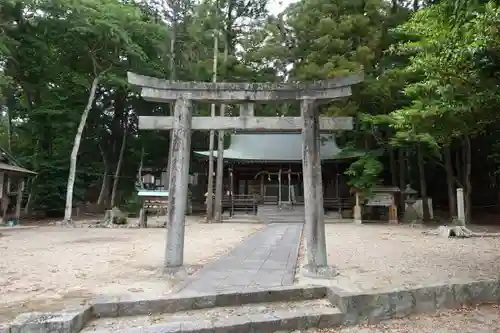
[275, 214]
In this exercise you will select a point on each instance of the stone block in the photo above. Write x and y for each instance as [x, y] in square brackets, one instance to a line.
[265, 322]
[425, 299]
[314, 292]
[285, 294]
[402, 303]
[356, 308]
[197, 326]
[329, 320]
[310, 321]
[445, 297]
[486, 291]
[223, 298]
[339, 298]
[174, 327]
[462, 294]
[379, 308]
[289, 320]
[139, 307]
[105, 306]
[204, 302]
[233, 324]
[4, 328]
[32, 322]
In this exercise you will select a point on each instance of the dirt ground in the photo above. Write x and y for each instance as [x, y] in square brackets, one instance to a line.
[485, 319]
[372, 257]
[47, 268]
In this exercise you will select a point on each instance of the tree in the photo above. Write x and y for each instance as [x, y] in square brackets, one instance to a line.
[455, 94]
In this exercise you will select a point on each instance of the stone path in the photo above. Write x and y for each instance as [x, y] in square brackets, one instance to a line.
[266, 259]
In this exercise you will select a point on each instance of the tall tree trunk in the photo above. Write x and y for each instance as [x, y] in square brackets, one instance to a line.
[31, 195]
[74, 153]
[210, 185]
[423, 183]
[219, 181]
[459, 165]
[9, 130]
[402, 178]
[105, 179]
[392, 161]
[139, 171]
[116, 178]
[173, 74]
[467, 181]
[450, 182]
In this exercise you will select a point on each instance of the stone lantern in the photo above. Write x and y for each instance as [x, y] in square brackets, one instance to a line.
[410, 198]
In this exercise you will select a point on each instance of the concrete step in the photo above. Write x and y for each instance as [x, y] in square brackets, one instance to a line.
[260, 317]
[250, 310]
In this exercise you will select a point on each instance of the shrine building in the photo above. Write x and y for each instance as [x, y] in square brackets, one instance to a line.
[269, 166]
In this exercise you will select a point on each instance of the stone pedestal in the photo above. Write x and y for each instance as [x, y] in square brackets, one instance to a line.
[357, 211]
[461, 206]
[393, 214]
[357, 215]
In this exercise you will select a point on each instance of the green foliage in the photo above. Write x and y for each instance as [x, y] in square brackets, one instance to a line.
[454, 94]
[133, 204]
[364, 173]
[120, 220]
[431, 76]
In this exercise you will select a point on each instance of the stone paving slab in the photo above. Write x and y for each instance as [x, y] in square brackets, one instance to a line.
[266, 259]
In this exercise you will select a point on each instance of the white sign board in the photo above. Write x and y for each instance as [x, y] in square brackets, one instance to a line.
[381, 199]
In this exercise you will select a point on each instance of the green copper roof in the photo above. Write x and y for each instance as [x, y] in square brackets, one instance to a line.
[273, 147]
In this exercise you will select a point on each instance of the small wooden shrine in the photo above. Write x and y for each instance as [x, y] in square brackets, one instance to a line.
[12, 181]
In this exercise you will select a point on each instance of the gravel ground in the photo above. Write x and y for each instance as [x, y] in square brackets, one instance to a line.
[371, 257]
[482, 320]
[45, 268]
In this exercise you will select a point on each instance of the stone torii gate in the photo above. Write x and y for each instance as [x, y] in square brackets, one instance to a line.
[245, 94]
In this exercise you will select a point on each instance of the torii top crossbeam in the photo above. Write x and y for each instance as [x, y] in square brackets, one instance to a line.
[159, 90]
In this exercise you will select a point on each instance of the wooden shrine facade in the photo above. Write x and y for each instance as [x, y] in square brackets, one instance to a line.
[269, 167]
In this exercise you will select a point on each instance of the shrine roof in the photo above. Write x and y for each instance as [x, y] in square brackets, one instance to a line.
[272, 147]
[9, 164]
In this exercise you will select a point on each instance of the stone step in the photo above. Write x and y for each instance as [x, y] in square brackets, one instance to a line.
[260, 317]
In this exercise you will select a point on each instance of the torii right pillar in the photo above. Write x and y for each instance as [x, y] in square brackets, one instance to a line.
[313, 187]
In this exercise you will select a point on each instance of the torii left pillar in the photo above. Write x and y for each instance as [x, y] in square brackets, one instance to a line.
[178, 183]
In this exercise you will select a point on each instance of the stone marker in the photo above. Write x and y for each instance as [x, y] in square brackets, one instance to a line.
[310, 124]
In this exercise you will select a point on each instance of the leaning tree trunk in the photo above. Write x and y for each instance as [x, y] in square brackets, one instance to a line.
[211, 142]
[119, 164]
[423, 184]
[74, 153]
[31, 184]
[450, 182]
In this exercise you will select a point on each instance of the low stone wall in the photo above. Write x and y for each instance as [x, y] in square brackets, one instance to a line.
[377, 306]
[350, 308]
[73, 320]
